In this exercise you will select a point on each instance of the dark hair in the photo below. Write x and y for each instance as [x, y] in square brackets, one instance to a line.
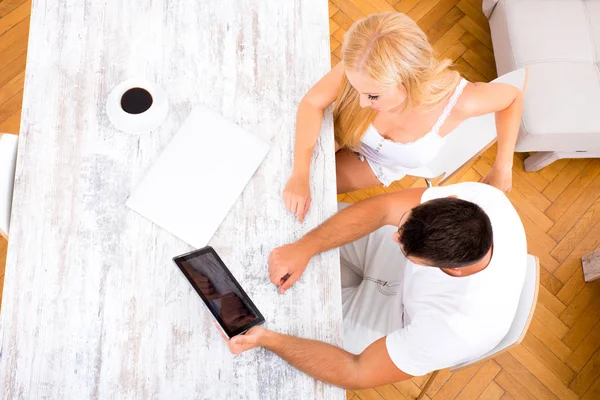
[447, 232]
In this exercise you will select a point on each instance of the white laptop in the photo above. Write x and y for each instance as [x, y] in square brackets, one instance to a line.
[196, 180]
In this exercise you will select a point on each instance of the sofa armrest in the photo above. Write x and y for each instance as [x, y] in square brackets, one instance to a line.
[488, 7]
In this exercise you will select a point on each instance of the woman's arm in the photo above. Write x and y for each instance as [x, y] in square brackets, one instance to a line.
[296, 194]
[507, 102]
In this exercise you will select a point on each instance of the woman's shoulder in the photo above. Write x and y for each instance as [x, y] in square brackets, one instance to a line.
[479, 98]
[467, 102]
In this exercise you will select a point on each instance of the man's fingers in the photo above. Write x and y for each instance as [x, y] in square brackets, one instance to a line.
[275, 276]
[238, 340]
[288, 283]
[235, 344]
[283, 279]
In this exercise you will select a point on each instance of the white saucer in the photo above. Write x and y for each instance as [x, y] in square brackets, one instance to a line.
[137, 123]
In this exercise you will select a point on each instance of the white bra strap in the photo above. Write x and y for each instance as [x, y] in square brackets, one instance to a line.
[448, 109]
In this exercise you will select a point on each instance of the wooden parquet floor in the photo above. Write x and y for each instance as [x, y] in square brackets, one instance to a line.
[559, 206]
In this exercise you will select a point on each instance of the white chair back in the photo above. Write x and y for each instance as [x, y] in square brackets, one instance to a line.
[523, 317]
[469, 139]
[8, 160]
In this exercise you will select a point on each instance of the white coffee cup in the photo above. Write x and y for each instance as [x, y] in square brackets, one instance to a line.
[137, 106]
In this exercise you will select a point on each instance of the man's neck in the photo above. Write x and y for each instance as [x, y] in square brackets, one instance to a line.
[475, 268]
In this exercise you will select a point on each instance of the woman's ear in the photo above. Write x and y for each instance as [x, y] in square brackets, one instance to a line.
[396, 237]
[403, 93]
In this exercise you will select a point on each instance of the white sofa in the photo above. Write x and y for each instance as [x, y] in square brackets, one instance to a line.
[558, 41]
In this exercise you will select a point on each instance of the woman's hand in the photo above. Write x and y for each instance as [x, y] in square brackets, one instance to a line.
[500, 177]
[296, 195]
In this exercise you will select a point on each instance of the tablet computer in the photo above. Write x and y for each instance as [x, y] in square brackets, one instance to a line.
[229, 305]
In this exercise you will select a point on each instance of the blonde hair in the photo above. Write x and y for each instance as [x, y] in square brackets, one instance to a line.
[391, 49]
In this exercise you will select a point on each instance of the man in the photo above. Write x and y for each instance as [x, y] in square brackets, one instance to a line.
[430, 277]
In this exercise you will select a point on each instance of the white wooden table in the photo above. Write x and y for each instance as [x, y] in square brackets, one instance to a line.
[93, 307]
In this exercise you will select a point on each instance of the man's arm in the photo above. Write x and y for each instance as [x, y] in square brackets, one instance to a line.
[360, 219]
[325, 362]
[287, 263]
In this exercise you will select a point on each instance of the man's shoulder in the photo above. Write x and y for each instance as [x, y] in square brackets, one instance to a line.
[470, 191]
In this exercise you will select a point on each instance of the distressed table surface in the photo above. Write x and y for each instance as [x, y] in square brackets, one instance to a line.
[93, 306]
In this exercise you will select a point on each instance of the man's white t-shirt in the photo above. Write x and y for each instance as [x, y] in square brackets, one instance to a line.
[447, 320]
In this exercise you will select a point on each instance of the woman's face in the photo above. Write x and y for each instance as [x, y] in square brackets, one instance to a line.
[373, 94]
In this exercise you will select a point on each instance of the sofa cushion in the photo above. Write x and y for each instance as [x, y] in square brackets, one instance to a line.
[487, 7]
[593, 10]
[562, 103]
[549, 30]
[559, 42]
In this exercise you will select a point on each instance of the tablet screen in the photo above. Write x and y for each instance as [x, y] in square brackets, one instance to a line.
[219, 290]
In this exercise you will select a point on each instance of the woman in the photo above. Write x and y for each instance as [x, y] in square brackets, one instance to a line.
[394, 104]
